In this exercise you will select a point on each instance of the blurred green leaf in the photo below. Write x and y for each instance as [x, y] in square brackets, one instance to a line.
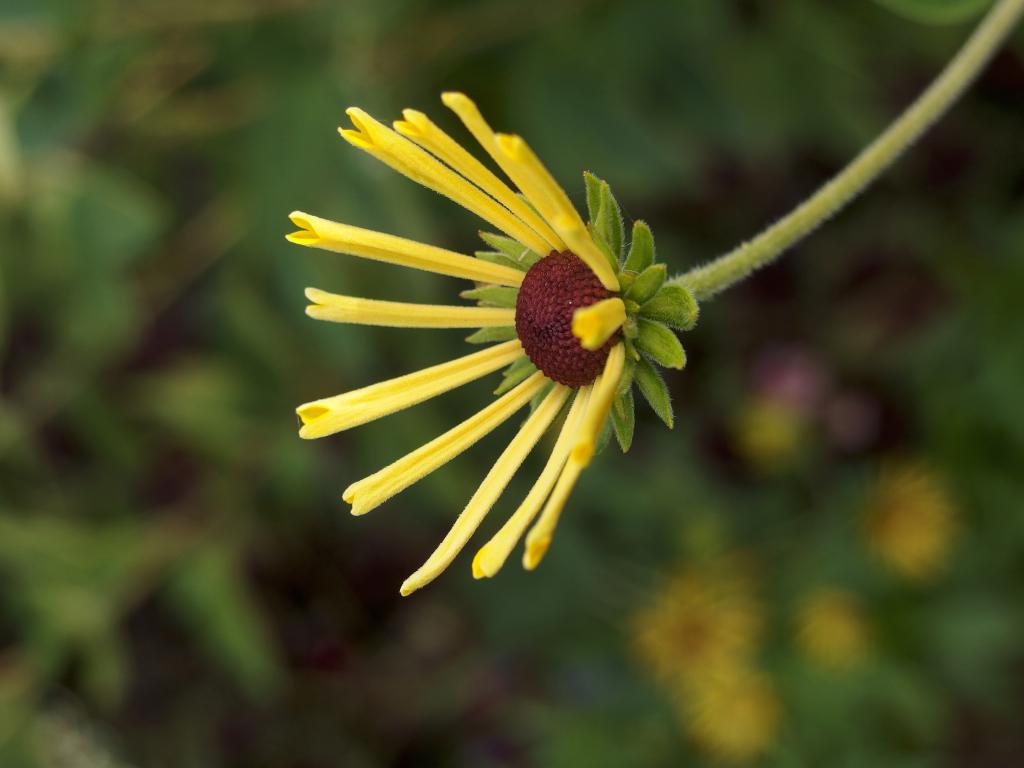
[937, 11]
[208, 593]
[200, 403]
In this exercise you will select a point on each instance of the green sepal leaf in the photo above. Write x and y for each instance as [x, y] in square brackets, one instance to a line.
[515, 250]
[605, 214]
[647, 283]
[626, 382]
[641, 248]
[493, 296]
[501, 259]
[624, 419]
[604, 437]
[518, 372]
[629, 328]
[593, 185]
[660, 344]
[626, 280]
[602, 246]
[538, 398]
[653, 388]
[674, 306]
[631, 353]
[497, 333]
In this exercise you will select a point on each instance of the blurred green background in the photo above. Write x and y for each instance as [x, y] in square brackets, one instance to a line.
[836, 520]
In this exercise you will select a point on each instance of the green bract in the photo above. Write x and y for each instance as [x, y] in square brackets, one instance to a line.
[655, 309]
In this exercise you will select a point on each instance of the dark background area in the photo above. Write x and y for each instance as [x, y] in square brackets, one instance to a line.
[180, 582]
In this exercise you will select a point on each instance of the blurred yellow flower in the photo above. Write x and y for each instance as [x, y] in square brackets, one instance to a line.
[910, 520]
[733, 713]
[702, 618]
[832, 629]
[769, 433]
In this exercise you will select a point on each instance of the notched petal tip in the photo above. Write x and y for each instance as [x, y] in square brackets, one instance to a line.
[485, 564]
[356, 138]
[307, 234]
[312, 416]
[349, 493]
[359, 501]
[405, 128]
[535, 551]
[361, 134]
[415, 118]
[416, 125]
[319, 298]
[478, 571]
[359, 117]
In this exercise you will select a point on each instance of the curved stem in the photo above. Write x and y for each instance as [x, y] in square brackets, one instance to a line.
[709, 279]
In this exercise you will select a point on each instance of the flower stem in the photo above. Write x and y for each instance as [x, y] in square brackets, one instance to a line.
[709, 279]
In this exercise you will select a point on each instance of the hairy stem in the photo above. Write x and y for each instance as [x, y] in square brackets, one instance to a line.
[709, 279]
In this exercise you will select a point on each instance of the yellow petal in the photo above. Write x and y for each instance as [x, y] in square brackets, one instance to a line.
[595, 324]
[412, 161]
[343, 238]
[550, 199]
[599, 406]
[372, 491]
[334, 414]
[352, 309]
[492, 555]
[422, 130]
[522, 166]
[490, 489]
[470, 116]
[539, 538]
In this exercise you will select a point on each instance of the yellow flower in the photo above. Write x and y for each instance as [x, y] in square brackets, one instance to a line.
[910, 521]
[770, 433]
[832, 629]
[553, 269]
[733, 714]
[700, 620]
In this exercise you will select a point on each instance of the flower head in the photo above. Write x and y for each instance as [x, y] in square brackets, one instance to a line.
[770, 434]
[832, 629]
[733, 714]
[571, 315]
[701, 619]
[910, 521]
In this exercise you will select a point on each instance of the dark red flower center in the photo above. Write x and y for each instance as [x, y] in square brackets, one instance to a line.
[553, 289]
